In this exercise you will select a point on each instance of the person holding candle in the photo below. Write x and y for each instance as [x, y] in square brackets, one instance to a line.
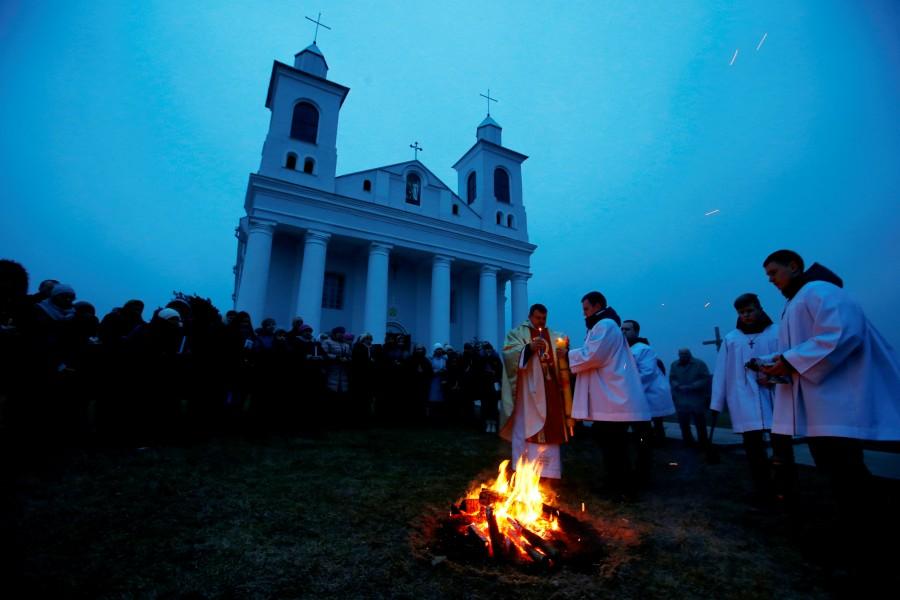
[537, 401]
[608, 389]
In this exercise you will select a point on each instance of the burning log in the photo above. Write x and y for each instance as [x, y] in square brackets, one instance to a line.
[497, 547]
[535, 540]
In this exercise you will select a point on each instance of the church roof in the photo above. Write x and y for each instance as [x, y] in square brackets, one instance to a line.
[312, 48]
[280, 66]
[397, 169]
[489, 121]
[517, 156]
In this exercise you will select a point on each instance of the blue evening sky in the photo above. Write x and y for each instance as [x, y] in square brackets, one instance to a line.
[128, 130]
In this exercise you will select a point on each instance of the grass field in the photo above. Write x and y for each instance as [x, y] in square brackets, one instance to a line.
[351, 514]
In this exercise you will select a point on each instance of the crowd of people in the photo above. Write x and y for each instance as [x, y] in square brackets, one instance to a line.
[68, 374]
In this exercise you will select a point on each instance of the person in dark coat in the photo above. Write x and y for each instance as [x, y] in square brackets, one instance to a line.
[691, 386]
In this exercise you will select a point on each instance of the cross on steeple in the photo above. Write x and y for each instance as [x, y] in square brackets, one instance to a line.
[416, 148]
[318, 22]
[489, 100]
[718, 341]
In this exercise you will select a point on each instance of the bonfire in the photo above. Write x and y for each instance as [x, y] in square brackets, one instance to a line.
[511, 520]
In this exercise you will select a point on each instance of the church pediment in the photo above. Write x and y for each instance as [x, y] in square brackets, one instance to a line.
[401, 169]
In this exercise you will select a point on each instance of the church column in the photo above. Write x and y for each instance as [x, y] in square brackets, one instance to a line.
[440, 300]
[251, 295]
[501, 309]
[375, 321]
[519, 292]
[487, 305]
[312, 278]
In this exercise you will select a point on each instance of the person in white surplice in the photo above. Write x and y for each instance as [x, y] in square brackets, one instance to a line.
[843, 386]
[608, 390]
[657, 391]
[748, 396]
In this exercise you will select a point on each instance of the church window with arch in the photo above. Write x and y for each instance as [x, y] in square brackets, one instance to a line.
[510, 222]
[305, 122]
[501, 185]
[456, 209]
[499, 218]
[309, 165]
[291, 161]
[471, 190]
[413, 189]
[367, 185]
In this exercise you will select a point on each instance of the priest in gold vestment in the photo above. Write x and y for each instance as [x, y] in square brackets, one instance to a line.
[536, 406]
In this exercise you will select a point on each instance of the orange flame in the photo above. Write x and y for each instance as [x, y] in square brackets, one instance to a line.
[521, 503]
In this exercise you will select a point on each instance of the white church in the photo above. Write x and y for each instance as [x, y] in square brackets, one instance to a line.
[389, 250]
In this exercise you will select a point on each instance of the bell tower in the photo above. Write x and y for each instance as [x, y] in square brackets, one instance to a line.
[300, 146]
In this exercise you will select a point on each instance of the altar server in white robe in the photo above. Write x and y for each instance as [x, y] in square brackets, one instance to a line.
[608, 388]
[748, 395]
[656, 389]
[844, 382]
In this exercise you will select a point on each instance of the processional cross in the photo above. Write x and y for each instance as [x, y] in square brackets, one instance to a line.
[416, 148]
[489, 100]
[318, 22]
[718, 341]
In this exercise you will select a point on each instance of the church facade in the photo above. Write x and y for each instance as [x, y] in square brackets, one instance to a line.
[386, 250]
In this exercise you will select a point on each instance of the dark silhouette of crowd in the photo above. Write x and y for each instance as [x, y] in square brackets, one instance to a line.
[68, 376]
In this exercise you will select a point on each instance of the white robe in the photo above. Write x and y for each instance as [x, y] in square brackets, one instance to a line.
[847, 382]
[608, 385]
[529, 418]
[749, 404]
[656, 385]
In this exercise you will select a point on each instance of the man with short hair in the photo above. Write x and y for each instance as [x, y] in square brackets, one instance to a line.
[608, 388]
[689, 378]
[656, 389]
[749, 397]
[843, 378]
[537, 403]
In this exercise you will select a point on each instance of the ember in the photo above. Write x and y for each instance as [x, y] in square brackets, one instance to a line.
[509, 520]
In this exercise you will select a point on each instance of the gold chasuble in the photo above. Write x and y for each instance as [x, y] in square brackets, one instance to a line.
[538, 386]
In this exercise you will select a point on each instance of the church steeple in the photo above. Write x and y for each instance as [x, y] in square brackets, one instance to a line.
[489, 130]
[311, 60]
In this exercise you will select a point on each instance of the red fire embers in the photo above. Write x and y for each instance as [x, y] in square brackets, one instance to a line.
[510, 521]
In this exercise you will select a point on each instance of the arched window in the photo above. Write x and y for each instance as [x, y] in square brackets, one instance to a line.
[413, 189]
[509, 221]
[456, 209]
[367, 185]
[499, 218]
[470, 188]
[291, 162]
[309, 165]
[305, 122]
[501, 185]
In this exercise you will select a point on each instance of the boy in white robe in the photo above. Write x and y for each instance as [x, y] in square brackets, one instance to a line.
[748, 395]
[844, 386]
[656, 390]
